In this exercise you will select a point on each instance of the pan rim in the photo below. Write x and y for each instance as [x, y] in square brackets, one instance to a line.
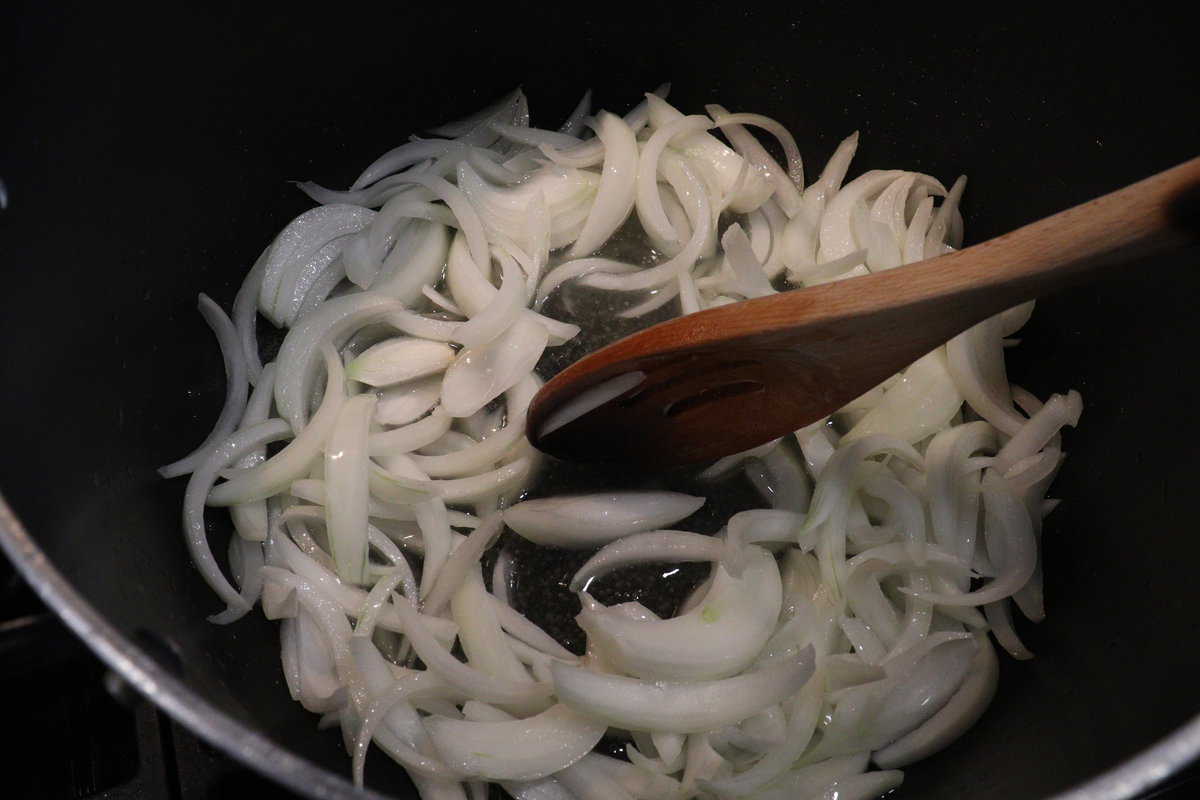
[186, 706]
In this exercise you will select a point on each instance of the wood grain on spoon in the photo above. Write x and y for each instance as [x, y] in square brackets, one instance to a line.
[730, 378]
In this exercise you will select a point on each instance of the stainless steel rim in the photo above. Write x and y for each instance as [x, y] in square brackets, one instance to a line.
[1127, 780]
[201, 717]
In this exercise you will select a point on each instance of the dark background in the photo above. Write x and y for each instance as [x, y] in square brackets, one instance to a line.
[146, 152]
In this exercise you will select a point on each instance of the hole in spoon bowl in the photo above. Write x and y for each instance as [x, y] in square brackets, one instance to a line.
[713, 395]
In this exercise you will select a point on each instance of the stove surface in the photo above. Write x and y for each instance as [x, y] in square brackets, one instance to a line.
[83, 734]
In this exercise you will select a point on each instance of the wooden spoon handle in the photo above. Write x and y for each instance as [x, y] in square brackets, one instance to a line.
[776, 363]
[1146, 217]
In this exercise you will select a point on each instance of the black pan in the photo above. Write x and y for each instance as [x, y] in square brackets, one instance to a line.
[146, 157]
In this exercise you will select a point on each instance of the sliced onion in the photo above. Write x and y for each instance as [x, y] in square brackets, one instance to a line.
[235, 388]
[519, 749]
[501, 312]
[250, 520]
[520, 627]
[574, 121]
[533, 137]
[376, 195]
[682, 707]
[817, 196]
[468, 284]
[922, 402]
[399, 360]
[615, 196]
[999, 617]
[331, 620]
[464, 559]
[945, 458]
[483, 640]
[353, 601]
[638, 782]
[720, 637]
[952, 720]
[653, 546]
[300, 241]
[837, 237]
[346, 462]
[941, 229]
[468, 220]
[701, 215]
[195, 533]
[931, 683]
[461, 676]
[649, 205]
[410, 437]
[767, 178]
[277, 473]
[415, 261]
[482, 455]
[567, 193]
[582, 156]
[791, 151]
[801, 726]
[403, 156]
[589, 520]
[750, 279]
[1008, 519]
[332, 323]
[837, 478]
[408, 402]
[477, 487]
[245, 304]
[506, 107]
[1058, 412]
[481, 374]
[976, 362]
[864, 575]
[377, 598]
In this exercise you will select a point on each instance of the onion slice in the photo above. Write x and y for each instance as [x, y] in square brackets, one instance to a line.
[522, 749]
[671, 547]
[615, 197]
[681, 707]
[480, 374]
[195, 533]
[720, 637]
[346, 487]
[277, 473]
[399, 360]
[236, 377]
[589, 520]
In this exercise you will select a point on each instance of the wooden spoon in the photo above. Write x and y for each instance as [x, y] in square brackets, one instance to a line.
[730, 378]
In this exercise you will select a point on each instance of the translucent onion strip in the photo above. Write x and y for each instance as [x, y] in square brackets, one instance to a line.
[683, 707]
[277, 473]
[480, 374]
[461, 676]
[236, 379]
[589, 520]
[670, 547]
[720, 637]
[198, 487]
[346, 471]
[523, 749]
[615, 197]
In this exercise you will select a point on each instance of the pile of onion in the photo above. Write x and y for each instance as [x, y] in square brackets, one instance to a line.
[843, 631]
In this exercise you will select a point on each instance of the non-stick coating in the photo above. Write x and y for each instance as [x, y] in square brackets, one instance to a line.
[147, 156]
